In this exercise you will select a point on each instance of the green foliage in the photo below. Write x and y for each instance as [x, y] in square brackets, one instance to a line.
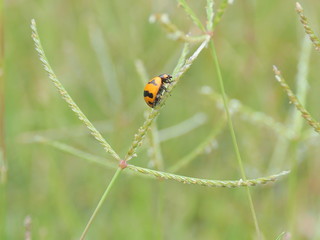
[101, 52]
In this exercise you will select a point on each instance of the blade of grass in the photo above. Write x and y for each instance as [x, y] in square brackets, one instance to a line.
[101, 201]
[233, 135]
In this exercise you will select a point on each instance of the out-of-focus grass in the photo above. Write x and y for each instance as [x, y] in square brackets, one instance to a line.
[59, 191]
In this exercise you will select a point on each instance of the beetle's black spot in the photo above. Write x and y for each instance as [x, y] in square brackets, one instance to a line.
[147, 94]
[153, 82]
[151, 104]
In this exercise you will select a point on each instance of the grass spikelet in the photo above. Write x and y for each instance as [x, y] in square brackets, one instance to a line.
[65, 95]
[221, 10]
[210, 15]
[303, 19]
[293, 99]
[207, 182]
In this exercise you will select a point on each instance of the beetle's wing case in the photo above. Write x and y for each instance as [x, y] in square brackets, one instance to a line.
[151, 90]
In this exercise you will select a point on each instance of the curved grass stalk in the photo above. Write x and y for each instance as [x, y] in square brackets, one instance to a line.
[303, 19]
[65, 95]
[207, 182]
[304, 113]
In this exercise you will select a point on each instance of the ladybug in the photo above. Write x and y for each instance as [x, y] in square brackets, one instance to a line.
[155, 88]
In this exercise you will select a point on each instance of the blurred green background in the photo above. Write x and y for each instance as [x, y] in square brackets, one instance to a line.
[93, 47]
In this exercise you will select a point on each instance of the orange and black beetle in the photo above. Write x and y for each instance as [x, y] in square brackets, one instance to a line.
[155, 88]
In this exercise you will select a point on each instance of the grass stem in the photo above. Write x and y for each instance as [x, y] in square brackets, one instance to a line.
[233, 135]
[102, 200]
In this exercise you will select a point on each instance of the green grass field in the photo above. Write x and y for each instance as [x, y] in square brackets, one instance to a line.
[53, 172]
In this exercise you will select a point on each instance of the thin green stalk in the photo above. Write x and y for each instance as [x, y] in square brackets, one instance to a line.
[103, 198]
[233, 135]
